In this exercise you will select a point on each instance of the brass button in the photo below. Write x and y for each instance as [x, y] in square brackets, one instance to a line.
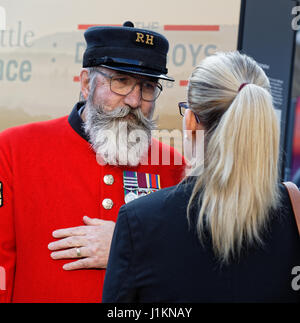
[108, 179]
[107, 204]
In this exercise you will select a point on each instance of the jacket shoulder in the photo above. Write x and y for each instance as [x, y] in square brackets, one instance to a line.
[31, 131]
[159, 204]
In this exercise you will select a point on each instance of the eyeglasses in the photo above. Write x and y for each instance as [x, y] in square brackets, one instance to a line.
[124, 84]
[184, 105]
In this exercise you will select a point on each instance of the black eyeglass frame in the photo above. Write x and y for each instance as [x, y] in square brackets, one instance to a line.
[158, 85]
[184, 105]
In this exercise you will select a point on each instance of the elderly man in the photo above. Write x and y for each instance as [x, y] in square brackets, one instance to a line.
[67, 178]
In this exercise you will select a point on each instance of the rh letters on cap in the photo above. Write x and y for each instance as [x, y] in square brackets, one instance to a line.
[144, 38]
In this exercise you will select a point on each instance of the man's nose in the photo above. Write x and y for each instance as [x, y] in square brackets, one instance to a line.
[134, 98]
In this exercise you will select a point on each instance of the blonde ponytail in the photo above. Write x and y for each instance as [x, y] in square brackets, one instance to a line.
[239, 184]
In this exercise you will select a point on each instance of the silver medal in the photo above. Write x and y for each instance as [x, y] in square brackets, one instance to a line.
[130, 197]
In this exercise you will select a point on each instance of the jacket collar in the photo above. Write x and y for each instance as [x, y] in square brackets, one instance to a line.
[76, 122]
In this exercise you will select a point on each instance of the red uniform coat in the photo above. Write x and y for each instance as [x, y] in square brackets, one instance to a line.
[50, 180]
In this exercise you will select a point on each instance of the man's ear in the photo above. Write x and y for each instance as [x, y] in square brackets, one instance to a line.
[84, 81]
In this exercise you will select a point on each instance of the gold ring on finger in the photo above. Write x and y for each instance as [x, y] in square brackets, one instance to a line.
[78, 252]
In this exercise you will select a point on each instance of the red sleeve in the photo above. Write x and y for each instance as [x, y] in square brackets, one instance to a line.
[7, 233]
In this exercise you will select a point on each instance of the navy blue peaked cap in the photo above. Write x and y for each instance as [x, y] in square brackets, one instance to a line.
[127, 49]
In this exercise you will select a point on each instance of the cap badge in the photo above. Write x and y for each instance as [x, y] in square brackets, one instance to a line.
[139, 184]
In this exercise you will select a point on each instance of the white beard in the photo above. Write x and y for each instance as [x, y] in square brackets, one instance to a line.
[115, 139]
[116, 147]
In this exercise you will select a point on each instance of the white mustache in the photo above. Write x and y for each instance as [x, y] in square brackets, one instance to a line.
[122, 112]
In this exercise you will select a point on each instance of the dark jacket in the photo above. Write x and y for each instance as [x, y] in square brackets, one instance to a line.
[156, 257]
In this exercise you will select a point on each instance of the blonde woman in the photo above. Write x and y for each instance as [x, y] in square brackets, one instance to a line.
[229, 233]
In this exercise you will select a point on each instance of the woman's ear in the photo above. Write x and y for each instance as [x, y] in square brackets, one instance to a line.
[189, 124]
[84, 81]
[190, 121]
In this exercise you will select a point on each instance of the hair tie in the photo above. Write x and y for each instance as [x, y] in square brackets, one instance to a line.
[242, 85]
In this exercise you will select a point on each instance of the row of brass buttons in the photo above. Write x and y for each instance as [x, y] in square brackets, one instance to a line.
[108, 203]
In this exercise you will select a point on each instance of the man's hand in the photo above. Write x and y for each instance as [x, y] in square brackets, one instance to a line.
[92, 241]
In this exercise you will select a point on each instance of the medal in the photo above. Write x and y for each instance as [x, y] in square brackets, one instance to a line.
[130, 197]
[139, 184]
